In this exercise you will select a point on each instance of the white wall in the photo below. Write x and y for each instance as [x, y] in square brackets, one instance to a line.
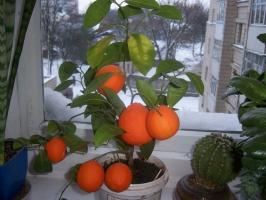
[26, 112]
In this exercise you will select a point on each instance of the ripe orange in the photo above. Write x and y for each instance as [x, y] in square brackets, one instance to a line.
[133, 121]
[90, 176]
[55, 149]
[115, 82]
[162, 122]
[118, 177]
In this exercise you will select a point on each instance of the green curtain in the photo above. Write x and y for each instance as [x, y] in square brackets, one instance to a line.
[9, 62]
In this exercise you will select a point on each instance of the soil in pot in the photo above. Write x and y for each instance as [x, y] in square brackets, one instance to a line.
[9, 151]
[188, 189]
[143, 172]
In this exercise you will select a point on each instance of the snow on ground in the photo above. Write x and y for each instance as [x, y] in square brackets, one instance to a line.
[185, 104]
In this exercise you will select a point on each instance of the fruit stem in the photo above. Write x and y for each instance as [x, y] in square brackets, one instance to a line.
[65, 188]
[130, 157]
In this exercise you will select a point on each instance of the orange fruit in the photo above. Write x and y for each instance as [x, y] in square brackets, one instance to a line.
[115, 82]
[90, 176]
[118, 177]
[56, 149]
[162, 122]
[133, 121]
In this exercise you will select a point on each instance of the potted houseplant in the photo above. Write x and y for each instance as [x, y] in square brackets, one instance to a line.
[252, 115]
[215, 162]
[13, 164]
[133, 128]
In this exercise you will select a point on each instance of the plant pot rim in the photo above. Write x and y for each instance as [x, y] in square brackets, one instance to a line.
[14, 157]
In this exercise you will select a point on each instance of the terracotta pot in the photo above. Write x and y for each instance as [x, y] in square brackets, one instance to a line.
[188, 189]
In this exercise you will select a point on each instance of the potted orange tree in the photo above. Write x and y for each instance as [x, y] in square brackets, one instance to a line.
[131, 172]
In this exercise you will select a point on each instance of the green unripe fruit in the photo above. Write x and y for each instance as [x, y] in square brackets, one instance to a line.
[215, 161]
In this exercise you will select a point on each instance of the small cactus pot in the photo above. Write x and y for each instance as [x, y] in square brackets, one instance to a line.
[188, 189]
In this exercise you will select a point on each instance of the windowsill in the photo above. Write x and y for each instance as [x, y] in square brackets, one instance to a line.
[258, 25]
[239, 46]
[50, 186]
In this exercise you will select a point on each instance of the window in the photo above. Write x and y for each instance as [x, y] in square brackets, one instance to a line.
[217, 50]
[66, 43]
[214, 83]
[221, 10]
[206, 73]
[258, 12]
[240, 34]
[254, 61]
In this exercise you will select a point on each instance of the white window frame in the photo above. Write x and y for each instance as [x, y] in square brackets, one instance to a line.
[256, 10]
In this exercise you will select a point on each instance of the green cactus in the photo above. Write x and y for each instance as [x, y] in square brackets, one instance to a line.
[215, 161]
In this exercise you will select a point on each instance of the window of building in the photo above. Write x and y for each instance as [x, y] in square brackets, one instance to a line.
[214, 83]
[254, 61]
[221, 10]
[258, 12]
[206, 73]
[240, 34]
[217, 50]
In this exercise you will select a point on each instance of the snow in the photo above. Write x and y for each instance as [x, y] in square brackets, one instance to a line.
[185, 104]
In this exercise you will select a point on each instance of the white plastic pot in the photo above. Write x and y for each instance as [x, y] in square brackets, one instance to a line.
[145, 191]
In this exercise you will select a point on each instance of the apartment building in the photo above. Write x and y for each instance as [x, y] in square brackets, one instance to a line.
[231, 47]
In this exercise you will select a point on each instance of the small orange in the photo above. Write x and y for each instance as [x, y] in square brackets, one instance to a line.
[162, 122]
[55, 149]
[90, 176]
[133, 121]
[118, 177]
[115, 82]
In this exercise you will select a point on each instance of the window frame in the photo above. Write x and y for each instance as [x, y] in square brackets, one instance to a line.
[256, 7]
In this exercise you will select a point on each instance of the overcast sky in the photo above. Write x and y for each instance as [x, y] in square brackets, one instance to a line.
[83, 4]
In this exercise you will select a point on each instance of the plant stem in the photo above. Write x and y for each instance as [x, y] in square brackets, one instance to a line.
[130, 157]
[75, 116]
[65, 188]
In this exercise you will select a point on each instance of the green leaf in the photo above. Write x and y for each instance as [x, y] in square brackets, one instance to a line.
[97, 82]
[169, 12]
[251, 74]
[96, 12]
[37, 139]
[66, 70]
[230, 91]
[257, 143]
[253, 164]
[147, 93]
[255, 117]
[128, 11]
[146, 150]
[141, 52]
[64, 85]
[105, 133]
[72, 172]
[116, 52]
[95, 54]
[20, 142]
[262, 38]
[176, 90]
[150, 4]
[252, 131]
[246, 107]
[166, 66]
[75, 143]
[251, 88]
[41, 163]
[97, 120]
[196, 81]
[87, 99]
[115, 101]
[162, 100]
[89, 75]
[121, 144]
[69, 127]
[53, 128]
